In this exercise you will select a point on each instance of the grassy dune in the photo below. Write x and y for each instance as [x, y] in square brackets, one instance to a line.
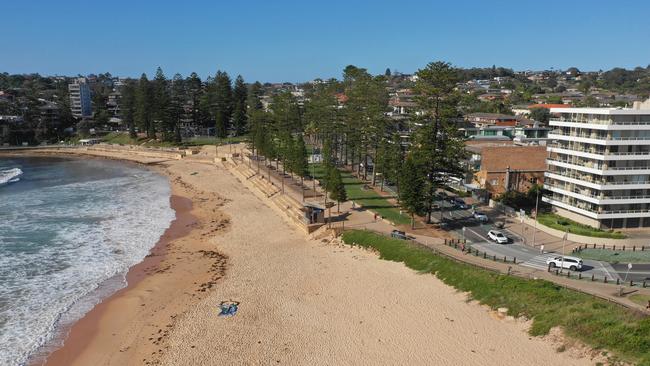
[600, 324]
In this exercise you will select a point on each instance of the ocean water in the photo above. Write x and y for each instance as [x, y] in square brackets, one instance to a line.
[69, 231]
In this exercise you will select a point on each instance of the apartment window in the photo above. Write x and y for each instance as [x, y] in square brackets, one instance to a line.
[494, 182]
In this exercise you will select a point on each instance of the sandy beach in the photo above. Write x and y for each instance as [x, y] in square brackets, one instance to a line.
[302, 300]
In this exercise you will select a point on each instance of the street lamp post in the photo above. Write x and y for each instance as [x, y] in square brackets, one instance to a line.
[563, 245]
[313, 174]
[536, 213]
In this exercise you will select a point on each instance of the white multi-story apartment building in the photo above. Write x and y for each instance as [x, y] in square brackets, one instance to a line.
[599, 166]
[80, 98]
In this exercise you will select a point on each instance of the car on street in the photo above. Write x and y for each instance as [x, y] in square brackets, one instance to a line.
[571, 263]
[461, 204]
[398, 234]
[498, 237]
[480, 216]
[458, 203]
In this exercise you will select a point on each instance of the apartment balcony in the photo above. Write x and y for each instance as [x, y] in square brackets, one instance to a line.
[600, 169]
[598, 140]
[598, 184]
[585, 195]
[586, 210]
[597, 154]
[602, 125]
[587, 167]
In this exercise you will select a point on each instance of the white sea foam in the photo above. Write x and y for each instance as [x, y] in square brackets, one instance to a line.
[95, 231]
[10, 175]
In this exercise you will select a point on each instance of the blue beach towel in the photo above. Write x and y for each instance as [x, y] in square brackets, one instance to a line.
[228, 308]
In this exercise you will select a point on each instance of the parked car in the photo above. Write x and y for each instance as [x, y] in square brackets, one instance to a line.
[498, 237]
[441, 225]
[572, 263]
[480, 216]
[397, 234]
[461, 204]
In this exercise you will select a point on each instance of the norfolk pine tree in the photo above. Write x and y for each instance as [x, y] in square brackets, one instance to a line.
[144, 107]
[161, 102]
[129, 106]
[300, 163]
[439, 147]
[222, 103]
[336, 188]
[239, 117]
[412, 190]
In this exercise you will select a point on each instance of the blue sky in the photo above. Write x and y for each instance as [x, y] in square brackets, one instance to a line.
[301, 40]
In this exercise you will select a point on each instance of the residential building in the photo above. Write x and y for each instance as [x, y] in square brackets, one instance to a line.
[498, 167]
[491, 119]
[521, 134]
[49, 114]
[599, 166]
[80, 98]
[113, 104]
[403, 102]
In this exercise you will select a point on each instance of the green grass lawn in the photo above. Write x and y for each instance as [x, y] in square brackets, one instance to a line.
[560, 223]
[124, 139]
[640, 299]
[200, 141]
[596, 322]
[367, 198]
[616, 256]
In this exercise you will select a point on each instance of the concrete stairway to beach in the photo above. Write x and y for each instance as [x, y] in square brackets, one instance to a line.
[291, 207]
[285, 204]
[246, 174]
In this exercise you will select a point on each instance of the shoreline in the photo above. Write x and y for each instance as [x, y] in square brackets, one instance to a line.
[78, 335]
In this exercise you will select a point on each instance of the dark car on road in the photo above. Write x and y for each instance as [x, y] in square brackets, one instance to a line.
[459, 203]
[397, 234]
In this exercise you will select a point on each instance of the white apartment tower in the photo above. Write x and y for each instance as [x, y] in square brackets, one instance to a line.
[599, 166]
[80, 98]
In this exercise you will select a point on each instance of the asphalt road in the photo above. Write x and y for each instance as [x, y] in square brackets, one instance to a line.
[529, 257]
[476, 233]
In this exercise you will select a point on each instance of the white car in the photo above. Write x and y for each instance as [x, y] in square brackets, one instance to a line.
[572, 263]
[498, 237]
[480, 216]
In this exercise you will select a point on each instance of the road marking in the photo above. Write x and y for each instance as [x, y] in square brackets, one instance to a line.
[538, 261]
[479, 235]
[605, 269]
